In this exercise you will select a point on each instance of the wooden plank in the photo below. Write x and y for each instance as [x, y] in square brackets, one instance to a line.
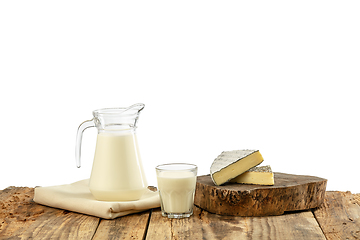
[21, 217]
[159, 226]
[339, 216]
[132, 226]
[289, 193]
[205, 225]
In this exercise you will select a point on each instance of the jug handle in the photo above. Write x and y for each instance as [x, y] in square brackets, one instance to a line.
[82, 127]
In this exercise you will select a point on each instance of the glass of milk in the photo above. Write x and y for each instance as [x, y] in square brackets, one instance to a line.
[176, 183]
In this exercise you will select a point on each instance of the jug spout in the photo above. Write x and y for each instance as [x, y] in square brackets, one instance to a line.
[136, 107]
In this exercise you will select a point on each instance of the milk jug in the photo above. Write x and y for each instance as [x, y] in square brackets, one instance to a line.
[117, 173]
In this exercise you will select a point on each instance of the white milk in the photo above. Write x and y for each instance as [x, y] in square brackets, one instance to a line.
[177, 190]
[117, 172]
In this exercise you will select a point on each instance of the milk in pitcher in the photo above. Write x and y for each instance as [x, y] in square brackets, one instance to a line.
[115, 173]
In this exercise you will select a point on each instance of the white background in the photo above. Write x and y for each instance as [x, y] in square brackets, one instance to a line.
[278, 76]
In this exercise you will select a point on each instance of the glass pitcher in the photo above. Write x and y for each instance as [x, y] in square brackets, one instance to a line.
[117, 173]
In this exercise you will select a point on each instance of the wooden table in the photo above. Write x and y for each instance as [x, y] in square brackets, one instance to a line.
[21, 218]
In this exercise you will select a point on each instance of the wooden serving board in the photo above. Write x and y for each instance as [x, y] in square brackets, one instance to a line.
[289, 193]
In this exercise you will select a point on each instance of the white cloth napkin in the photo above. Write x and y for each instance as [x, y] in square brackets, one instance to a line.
[78, 198]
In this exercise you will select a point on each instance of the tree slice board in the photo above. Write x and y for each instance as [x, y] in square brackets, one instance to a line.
[289, 193]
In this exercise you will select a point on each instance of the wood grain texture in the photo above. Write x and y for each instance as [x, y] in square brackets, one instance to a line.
[132, 226]
[339, 216]
[289, 193]
[159, 226]
[205, 225]
[22, 218]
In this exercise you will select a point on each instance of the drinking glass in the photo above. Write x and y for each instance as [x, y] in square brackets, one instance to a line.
[176, 183]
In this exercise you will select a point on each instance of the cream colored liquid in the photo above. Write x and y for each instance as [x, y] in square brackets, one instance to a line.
[177, 190]
[117, 172]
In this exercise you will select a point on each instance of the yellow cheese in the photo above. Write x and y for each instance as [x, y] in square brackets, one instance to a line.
[256, 175]
[230, 164]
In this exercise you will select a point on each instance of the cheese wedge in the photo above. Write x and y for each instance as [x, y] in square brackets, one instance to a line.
[256, 175]
[230, 164]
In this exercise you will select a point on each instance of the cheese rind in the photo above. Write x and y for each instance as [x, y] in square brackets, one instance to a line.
[230, 164]
[256, 175]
